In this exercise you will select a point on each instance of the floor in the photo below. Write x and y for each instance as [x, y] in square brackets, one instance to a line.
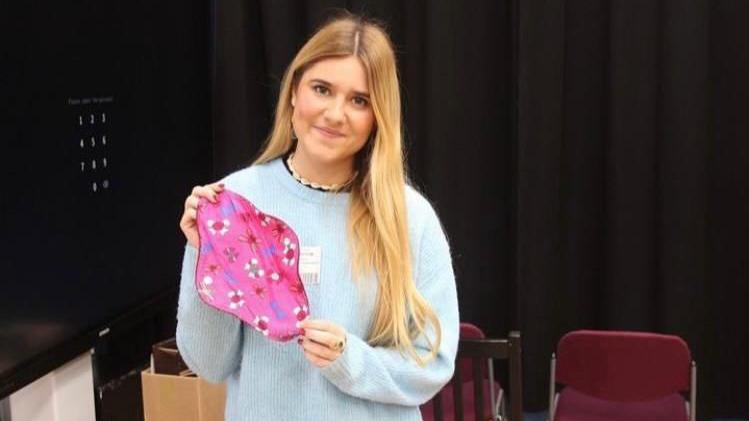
[542, 416]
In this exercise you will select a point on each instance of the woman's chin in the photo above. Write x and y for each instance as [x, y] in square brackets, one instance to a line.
[326, 152]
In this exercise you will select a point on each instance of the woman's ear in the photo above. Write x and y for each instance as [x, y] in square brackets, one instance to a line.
[293, 99]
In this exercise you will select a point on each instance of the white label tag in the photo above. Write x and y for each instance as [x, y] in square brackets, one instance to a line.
[309, 264]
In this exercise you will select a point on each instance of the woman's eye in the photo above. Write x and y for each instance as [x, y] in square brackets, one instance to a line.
[360, 102]
[320, 89]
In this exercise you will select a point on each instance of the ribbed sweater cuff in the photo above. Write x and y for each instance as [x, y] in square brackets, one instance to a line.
[344, 371]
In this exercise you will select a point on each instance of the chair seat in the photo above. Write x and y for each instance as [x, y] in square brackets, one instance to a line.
[576, 406]
[448, 405]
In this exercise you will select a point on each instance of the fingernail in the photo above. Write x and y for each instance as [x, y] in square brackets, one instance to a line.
[221, 185]
[299, 341]
[302, 331]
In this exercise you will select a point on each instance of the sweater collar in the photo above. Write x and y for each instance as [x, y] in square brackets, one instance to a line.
[308, 194]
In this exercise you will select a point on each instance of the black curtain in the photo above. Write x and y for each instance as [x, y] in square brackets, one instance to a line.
[632, 180]
[587, 159]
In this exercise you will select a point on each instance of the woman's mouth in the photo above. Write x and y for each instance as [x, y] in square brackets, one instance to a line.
[327, 132]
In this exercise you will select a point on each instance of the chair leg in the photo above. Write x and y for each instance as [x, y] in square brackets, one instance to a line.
[693, 393]
[552, 385]
[492, 399]
[478, 389]
[516, 377]
[458, 393]
[500, 411]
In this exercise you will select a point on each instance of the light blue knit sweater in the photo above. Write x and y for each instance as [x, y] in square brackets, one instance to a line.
[267, 380]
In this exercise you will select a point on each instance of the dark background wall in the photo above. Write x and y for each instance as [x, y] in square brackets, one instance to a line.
[588, 159]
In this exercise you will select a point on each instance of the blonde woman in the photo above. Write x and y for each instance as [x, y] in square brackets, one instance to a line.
[386, 330]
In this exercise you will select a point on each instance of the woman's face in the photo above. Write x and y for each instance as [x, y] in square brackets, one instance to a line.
[333, 114]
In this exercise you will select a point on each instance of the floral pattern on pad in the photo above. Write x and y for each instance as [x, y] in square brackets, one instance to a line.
[248, 266]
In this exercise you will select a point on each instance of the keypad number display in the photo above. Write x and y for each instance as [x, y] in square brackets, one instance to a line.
[92, 137]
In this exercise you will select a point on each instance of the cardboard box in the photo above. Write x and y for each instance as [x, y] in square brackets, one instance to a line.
[166, 358]
[181, 398]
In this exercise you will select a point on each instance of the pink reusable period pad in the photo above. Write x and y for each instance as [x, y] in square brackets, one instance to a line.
[248, 266]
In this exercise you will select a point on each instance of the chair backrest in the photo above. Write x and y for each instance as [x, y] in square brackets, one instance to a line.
[623, 366]
[457, 401]
[471, 331]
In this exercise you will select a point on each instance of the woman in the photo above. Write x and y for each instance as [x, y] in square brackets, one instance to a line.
[385, 332]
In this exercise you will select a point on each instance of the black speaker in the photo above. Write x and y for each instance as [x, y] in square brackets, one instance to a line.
[123, 352]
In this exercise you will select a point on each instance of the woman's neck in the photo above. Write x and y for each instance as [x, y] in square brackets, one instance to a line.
[322, 173]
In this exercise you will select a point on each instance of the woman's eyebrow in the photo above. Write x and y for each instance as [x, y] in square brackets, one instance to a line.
[328, 84]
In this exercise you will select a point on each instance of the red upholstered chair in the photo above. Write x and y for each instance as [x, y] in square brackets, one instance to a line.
[618, 376]
[479, 392]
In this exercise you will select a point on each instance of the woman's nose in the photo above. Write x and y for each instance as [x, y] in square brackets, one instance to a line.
[334, 113]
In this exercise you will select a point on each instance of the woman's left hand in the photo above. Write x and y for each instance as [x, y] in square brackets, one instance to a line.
[322, 341]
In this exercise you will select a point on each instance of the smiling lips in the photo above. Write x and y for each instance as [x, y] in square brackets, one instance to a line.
[327, 132]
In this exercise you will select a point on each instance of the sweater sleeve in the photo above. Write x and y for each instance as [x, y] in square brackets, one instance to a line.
[209, 341]
[384, 374]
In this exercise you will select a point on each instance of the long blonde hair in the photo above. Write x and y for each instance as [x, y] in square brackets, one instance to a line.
[377, 225]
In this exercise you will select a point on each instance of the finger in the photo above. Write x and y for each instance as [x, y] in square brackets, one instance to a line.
[321, 351]
[325, 329]
[322, 337]
[188, 218]
[324, 325]
[314, 359]
[191, 202]
[216, 187]
[204, 191]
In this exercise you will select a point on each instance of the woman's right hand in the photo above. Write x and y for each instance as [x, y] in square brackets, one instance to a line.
[188, 223]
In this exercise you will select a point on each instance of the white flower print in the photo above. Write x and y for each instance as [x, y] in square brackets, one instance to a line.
[255, 271]
[261, 324]
[221, 227]
[235, 299]
[301, 313]
[204, 287]
[289, 252]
